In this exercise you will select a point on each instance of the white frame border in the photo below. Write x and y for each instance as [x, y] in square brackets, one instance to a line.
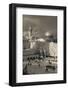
[42, 77]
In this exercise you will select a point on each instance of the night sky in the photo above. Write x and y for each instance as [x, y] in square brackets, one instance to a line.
[40, 25]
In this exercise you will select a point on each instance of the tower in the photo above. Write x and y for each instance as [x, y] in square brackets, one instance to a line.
[30, 36]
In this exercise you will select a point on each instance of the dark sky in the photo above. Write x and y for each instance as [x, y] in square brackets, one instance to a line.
[40, 24]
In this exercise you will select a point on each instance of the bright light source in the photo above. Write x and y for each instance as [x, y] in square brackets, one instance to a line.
[41, 40]
[47, 34]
